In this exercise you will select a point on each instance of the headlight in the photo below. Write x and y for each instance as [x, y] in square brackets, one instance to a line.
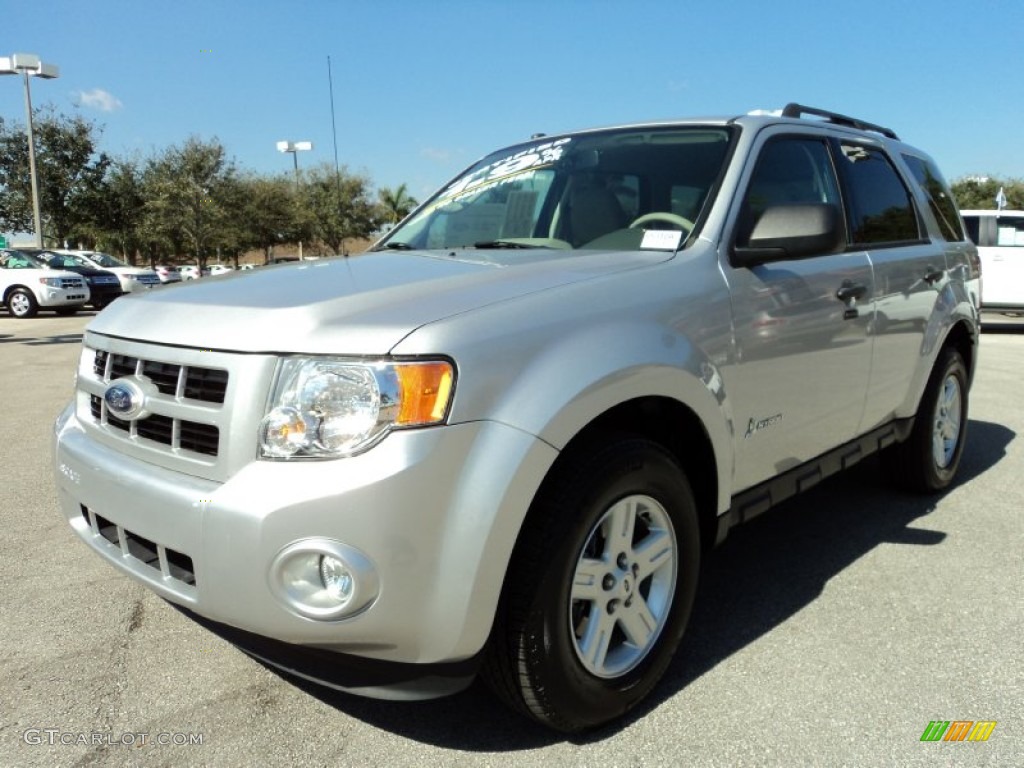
[53, 282]
[327, 408]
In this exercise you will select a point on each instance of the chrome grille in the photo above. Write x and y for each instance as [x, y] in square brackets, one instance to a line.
[191, 382]
[181, 382]
[196, 423]
[176, 433]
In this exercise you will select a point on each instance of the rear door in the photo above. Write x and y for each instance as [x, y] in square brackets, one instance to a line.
[910, 272]
[803, 352]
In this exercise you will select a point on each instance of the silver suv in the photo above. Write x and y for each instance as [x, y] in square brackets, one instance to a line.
[504, 441]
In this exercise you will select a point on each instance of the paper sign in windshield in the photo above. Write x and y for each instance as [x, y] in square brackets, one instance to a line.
[661, 239]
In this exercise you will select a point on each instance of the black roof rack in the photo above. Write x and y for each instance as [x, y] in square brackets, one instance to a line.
[798, 110]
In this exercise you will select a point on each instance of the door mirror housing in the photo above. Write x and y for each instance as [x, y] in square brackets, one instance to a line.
[785, 232]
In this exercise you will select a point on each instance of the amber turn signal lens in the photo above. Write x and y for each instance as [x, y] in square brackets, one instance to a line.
[424, 390]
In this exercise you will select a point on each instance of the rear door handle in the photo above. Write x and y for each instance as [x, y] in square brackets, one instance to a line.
[851, 290]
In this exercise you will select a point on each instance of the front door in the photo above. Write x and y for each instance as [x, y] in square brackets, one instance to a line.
[800, 326]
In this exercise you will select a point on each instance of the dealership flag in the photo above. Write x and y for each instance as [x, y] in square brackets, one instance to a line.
[1000, 200]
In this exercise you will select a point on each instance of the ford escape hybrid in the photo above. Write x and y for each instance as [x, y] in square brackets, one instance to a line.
[502, 442]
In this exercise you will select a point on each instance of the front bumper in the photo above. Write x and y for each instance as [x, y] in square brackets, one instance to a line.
[436, 511]
[103, 294]
[62, 297]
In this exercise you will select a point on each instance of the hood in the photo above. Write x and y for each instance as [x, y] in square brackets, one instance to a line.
[363, 305]
[87, 271]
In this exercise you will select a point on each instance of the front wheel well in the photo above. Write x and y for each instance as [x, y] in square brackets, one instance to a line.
[674, 426]
[12, 288]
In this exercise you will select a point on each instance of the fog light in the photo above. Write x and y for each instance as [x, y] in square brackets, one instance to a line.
[323, 579]
[336, 578]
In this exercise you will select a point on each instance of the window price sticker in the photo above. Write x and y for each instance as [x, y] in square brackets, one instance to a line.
[661, 239]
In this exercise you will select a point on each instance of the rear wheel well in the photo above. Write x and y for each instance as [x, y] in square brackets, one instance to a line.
[960, 338]
[675, 427]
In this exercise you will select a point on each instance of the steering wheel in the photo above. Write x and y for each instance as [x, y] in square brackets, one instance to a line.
[672, 218]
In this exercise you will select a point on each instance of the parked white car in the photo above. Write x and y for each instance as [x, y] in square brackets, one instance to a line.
[27, 286]
[167, 274]
[217, 269]
[189, 272]
[999, 236]
[132, 279]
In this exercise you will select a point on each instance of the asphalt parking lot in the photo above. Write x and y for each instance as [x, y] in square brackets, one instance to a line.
[828, 632]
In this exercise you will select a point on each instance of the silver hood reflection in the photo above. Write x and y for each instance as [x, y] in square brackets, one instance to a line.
[362, 305]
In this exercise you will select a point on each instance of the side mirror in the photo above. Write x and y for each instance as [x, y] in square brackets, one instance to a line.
[784, 232]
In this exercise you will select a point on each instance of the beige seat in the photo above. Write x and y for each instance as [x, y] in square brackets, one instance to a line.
[593, 211]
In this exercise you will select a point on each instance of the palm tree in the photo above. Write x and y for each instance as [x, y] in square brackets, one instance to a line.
[397, 203]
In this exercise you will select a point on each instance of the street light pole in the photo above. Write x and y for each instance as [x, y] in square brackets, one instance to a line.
[37, 217]
[29, 64]
[294, 147]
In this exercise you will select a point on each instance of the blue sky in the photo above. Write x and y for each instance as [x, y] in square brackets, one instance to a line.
[424, 88]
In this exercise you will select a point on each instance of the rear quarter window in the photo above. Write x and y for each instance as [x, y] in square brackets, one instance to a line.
[940, 199]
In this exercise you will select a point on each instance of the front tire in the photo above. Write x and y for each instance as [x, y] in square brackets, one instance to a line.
[600, 587]
[928, 460]
[21, 303]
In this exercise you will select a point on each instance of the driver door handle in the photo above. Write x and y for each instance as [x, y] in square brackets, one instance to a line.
[851, 290]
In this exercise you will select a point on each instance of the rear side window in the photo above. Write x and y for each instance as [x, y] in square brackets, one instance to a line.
[879, 208]
[940, 199]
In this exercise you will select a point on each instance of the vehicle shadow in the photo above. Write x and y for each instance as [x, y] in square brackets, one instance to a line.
[763, 574]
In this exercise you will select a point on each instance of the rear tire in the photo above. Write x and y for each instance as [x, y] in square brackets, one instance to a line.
[600, 587]
[21, 303]
[928, 460]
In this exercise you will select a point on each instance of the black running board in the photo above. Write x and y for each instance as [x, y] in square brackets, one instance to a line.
[752, 502]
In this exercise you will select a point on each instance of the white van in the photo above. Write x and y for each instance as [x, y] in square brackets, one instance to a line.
[999, 236]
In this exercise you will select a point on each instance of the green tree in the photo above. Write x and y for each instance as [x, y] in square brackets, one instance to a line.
[190, 198]
[979, 192]
[69, 170]
[397, 203]
[270, 212]
[339, 206]
[118, 209]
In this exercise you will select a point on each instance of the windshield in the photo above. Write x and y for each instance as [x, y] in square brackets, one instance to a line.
[106, 260]
[12, 259]
[620, 189]
[66, 261]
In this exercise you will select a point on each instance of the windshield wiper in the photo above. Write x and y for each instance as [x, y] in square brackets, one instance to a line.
[394, 246]
[485, 244]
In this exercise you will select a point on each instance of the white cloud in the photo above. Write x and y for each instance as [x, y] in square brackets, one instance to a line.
[99, 99]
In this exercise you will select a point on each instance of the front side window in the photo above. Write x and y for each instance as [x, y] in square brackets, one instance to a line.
[596, 190]
[879, 207]
[791, 170]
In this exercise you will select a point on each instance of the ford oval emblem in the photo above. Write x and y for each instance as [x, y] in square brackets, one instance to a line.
[124, 399]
